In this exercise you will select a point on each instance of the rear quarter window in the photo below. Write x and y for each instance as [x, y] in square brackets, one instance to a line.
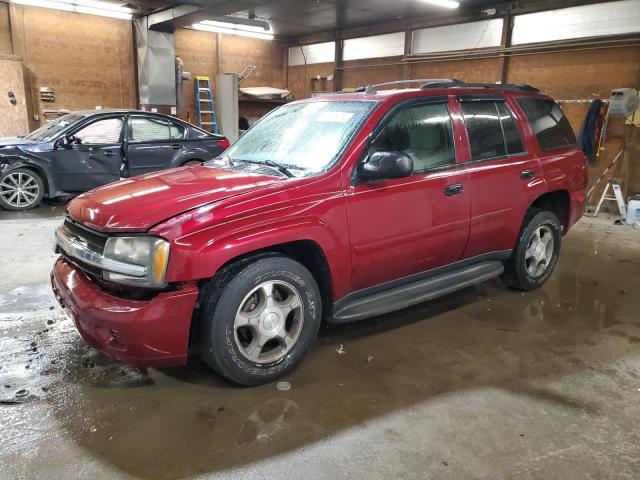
[548, 123]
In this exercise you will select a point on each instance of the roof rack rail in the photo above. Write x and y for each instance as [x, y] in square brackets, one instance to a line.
[370, 89]
[516, 87]
[426, 83]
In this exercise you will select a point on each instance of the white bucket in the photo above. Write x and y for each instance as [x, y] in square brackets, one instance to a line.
[633, 210]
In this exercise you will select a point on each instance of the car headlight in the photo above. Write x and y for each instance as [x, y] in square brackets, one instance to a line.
[152, 253]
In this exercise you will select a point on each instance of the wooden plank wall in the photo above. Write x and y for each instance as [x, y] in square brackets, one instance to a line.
[87, 60]
[13, 118]
[6, 44]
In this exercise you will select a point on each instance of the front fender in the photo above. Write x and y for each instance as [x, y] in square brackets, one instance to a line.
[14, 161]
[199, 252]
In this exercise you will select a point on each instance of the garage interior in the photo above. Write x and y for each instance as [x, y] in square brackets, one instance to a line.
[486, 382]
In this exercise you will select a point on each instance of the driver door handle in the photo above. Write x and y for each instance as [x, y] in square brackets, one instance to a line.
[108, 154]
[527, 174]
[453, 189]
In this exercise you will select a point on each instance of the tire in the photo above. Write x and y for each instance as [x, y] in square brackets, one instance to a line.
[530, 266]
[237, 315]
[190, 163]
[20, 189]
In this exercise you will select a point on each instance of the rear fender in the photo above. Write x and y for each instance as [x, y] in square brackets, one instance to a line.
[190, 153]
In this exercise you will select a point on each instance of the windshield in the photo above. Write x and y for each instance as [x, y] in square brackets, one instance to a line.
[50, 130]
[304, 138]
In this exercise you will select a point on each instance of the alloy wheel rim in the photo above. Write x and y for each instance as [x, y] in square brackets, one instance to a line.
[19, 189]
[539, 253]
[268, 322]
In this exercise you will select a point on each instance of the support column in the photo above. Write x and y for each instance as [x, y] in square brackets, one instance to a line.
[339, 63]
[507, 28]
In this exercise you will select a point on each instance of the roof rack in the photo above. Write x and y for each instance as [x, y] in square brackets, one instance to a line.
[516, 87]
[451, 83]
[370, 89]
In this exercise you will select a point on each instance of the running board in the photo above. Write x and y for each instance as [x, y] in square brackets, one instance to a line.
[412, 293]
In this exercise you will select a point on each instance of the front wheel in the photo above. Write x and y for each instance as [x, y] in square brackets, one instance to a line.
[536, 254]
[20, 189]
[259, 318]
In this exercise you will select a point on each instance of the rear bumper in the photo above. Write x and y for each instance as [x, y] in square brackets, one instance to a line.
[141, 333]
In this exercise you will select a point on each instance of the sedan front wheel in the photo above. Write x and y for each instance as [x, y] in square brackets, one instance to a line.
[20, 189]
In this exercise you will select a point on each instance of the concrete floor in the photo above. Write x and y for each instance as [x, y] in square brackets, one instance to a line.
[486, 383]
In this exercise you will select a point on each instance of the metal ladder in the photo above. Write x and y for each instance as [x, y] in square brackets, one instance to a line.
[614, 183]
[202, 85]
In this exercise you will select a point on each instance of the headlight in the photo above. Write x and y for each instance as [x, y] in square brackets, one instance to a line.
[152, 253]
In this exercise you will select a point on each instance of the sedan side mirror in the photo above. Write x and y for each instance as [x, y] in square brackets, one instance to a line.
[64, 141]
[386, 165]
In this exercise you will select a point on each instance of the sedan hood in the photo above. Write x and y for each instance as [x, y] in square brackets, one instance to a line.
[139, 203]
[12, 141]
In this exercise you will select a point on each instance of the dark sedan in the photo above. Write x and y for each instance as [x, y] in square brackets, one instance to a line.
[84, 150]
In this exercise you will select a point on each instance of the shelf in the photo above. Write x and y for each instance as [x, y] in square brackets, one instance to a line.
[273, 101]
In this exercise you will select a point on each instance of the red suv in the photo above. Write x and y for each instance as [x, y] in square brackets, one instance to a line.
[333, 209]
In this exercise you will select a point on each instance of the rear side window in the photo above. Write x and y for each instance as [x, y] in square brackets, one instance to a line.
[176, 131]
[512, 138]
[549, 125]
[149, 129]
[491, 130]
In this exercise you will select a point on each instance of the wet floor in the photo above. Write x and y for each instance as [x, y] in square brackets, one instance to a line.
[485, 383]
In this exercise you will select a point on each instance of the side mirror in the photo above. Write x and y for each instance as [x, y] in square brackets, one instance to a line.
[386, 165]
[64, 141]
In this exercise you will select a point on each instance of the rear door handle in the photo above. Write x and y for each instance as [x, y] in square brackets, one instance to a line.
[176, 146]
[108, 153]
[453, 189]
[527, 174]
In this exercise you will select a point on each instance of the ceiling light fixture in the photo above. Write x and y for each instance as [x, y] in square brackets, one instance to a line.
[90, 7]
[444, 3]
[233, 29]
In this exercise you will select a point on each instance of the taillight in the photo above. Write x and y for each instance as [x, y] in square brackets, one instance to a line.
[224, 143]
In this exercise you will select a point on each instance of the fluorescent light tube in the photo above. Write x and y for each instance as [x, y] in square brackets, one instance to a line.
[232, 29]
[443, 3]
[91, 7]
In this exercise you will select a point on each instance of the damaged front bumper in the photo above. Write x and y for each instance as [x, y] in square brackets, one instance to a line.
[153, 333]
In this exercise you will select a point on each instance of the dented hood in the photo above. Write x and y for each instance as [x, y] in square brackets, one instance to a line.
[141, 202]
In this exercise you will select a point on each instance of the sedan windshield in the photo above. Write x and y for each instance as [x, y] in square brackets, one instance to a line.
[51, 129]
[303, 138]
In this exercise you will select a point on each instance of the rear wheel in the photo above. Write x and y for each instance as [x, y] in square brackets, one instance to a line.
[259, 318]
[536, 254]
[20, 189]
[190, 163]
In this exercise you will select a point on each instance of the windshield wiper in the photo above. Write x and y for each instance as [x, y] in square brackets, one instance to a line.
[270, 163]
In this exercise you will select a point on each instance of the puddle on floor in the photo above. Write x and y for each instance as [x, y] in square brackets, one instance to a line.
[177, 423]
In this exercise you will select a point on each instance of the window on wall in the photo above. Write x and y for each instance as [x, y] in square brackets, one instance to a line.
[462, 36]
[491, 130]
[549, 125]
[387, 45]
[102, 132]
[423, 132]
[314, 53]
[601, 19]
